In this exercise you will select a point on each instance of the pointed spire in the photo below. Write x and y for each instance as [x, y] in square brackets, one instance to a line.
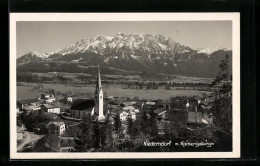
[98, 84]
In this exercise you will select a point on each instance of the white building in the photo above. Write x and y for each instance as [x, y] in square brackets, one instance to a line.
[126, 114]
[49, 98]
[98, 95]
[84, 107]
[69, 99]
[57, 128]
[187, 104]
[150, 103]
[50, 108]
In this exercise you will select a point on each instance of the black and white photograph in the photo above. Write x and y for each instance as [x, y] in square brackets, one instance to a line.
[139, 85]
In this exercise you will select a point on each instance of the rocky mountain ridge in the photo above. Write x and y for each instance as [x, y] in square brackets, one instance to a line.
[134, 51]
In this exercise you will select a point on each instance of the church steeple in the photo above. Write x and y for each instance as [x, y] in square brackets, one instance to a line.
[98, 84]
[99, 98]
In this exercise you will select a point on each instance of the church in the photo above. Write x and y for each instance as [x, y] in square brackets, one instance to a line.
[84, 107]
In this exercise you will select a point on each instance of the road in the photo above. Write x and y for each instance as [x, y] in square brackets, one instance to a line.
[29, 137]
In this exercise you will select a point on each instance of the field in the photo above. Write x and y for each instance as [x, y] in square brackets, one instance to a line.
[126, 77]
[26, 92]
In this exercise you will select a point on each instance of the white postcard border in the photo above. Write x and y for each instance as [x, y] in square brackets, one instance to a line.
[234, 17]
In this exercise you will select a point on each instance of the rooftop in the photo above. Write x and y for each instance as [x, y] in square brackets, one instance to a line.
[32, 107]
[194, 117]
[28, 101]
[128, 103]
[58, 124]
[150, 103]
[55, 143]
[51, 105]
[159, 111]
[82, 104]
[177, 116]
[114, 103]
[128, 108]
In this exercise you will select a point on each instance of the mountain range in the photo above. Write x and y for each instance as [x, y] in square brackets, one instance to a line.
[145, 53]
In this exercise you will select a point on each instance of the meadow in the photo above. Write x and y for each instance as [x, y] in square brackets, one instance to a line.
[26, 92]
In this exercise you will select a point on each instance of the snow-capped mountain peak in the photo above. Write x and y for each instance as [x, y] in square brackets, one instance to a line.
[210, 50]
[131, 41]
[140, 52]
[141, 47]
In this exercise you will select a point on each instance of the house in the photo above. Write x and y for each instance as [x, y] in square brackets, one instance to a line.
[204, 105]
[132, 115]
[187, 105]
[127, 114]
[198, 100]
[20, 132]
[69, 99]
[158, 101]
[67, 144]
[167, 106]
[31, 109]
[49, 98]
[136, 110]
[113, 104]
[22, 103]
[123, 115]
[161, 124]
[177, 115]
[48, 144]
[50, 108]
[56, 128]
[52, 143]
[161, 113]
[46, 95]
[207, 118]
[110, 97]
[150, 103]
[18, 111]
[194, 117]
[124, 104]
[181, 115]
[80, 108]
[65, 108]
[130, 108]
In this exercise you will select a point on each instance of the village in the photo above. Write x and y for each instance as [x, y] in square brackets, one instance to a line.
[48, 124]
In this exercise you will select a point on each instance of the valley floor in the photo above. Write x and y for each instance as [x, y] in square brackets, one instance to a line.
[25, 92]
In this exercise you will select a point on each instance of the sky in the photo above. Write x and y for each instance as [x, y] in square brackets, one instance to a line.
[47, 36]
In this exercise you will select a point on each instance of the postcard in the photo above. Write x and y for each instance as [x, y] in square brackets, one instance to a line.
[124, 85]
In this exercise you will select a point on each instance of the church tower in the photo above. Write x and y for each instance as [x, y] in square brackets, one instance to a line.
[99, 98]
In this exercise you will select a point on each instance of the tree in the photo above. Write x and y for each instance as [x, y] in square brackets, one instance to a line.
[130, 129]
[51, 133]
[167, 87]
[52, 91]
[108, 130]
[153, 125]
[135, 98]
[102, 137]
[118, 124]
[97, 142]
[68, 94]
[84, 141]
[145, 124]
[222, 106]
